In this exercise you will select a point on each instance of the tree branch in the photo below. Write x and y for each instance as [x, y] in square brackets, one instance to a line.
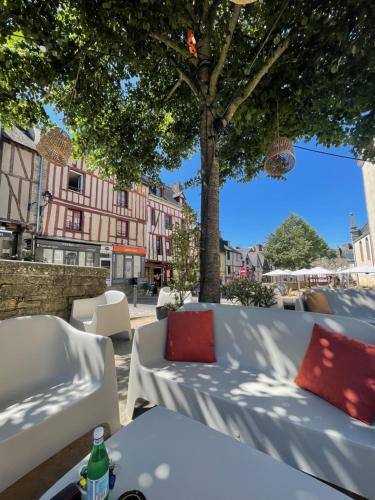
[249, 88]
[174, 88]
[186, 78]
[212, 14]
[174, 46]
[205, 10]
[190, 82]
[224, 50]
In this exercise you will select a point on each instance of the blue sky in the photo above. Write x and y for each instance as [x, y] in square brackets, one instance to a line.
[321, 189]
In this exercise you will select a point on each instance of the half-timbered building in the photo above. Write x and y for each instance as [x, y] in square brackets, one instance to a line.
[21, 181]
[164, 206]
[91, 223]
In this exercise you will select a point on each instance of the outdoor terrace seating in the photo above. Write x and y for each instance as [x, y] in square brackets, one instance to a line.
[56, 384]
[106, 315]
[356, 303]
[250, 394]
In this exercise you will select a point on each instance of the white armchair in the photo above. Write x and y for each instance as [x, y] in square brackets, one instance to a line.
[57, 383]
[104, 315]
[167, 296]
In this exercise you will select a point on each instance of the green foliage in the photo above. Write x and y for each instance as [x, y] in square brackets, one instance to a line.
[27, 255]
[295, 244]
[185, 254]
[111, 66]
[249, 292]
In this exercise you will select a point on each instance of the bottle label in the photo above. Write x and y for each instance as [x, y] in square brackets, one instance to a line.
[98, 489]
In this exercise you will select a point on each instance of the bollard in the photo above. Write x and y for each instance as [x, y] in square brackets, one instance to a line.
[135, 293]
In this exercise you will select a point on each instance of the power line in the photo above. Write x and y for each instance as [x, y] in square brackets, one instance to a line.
[331, 154]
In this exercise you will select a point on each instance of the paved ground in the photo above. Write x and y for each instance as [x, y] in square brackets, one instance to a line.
[122, 348]
[142, 310]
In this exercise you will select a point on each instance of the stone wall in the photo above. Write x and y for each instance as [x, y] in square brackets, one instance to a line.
[28, 288]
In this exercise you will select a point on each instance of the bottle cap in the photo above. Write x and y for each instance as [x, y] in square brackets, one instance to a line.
[98, 433]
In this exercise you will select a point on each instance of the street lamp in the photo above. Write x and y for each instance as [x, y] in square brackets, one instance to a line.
[47, 198]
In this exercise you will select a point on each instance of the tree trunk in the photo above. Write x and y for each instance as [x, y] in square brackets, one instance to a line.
[210, 234]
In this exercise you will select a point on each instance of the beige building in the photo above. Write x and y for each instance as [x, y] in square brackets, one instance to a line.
[164, 209]
[364, 238]
[230, 262]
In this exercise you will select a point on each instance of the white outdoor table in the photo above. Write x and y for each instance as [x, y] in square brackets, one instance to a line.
[171, 457]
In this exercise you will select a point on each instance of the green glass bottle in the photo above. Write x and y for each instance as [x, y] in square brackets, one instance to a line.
[98, 469]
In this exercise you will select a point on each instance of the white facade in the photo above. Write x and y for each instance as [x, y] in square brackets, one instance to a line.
[364, 239]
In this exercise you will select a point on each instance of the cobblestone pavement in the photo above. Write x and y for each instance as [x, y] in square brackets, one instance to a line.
[122, 348]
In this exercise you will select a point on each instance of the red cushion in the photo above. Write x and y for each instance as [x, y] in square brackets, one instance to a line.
[341, 370]
[190, 336]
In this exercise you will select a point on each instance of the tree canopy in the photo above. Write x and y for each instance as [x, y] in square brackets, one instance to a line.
[137, 100]
[123, 76]
[295, 245]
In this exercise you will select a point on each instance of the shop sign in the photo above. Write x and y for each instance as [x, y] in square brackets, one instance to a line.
[106, 249]
[132, 250]
[5, 233]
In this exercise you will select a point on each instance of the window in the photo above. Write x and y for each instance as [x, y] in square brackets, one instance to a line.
[58, 257]
[361, 250]
[71, 258]
[156, 190]
[90, 259]
[73, 220]
[153, 216]
[122, 199]
[228, 255]
[82, 259]
[168, 248]
[168, 221]
[229, 270]
[119, 266]
[137, 266]
[128, 267]
[159, 243]
[48, 255]
[75, 181]
[122, 228]
[367, 249]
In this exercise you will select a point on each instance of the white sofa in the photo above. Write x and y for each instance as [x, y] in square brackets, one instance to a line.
[104, 315]
[57, 383]
[249, 393]
[354, 302]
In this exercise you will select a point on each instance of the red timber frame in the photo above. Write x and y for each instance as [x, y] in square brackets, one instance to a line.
[99, 207]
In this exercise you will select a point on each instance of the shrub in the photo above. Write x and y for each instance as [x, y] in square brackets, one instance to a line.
[249, 292]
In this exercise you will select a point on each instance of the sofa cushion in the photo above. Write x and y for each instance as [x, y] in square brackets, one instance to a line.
[190, 336]
[258, 393]
[317, 302]
[341, 370]
[42, 405]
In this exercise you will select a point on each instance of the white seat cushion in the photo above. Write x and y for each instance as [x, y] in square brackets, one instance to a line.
[41, 405]
[260, 393]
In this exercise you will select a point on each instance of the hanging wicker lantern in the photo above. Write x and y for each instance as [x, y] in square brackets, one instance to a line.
[280, 157]
[55, 146]
[243, 2]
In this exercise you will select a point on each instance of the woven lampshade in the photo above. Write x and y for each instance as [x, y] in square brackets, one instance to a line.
[55, 146]
[280, 157]
[243, 2]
